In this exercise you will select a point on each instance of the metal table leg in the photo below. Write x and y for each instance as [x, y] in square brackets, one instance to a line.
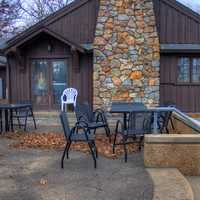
[11, 119]
[155, 122]
[1, 121]
[125, 121]
[6, 121]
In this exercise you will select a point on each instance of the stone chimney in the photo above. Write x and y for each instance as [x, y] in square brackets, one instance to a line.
[126, 53]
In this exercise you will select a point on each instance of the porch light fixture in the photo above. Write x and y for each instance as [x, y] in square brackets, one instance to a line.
[49, 47]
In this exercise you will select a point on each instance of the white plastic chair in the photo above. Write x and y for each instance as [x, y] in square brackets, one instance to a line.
[69, 96]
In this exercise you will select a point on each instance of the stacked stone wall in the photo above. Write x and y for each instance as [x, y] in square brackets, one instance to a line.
[126, 53]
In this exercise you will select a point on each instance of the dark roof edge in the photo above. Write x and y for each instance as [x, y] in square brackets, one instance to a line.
[51, 33]
[49, 19]
[67, 41]
[184, 9]
[180, 48]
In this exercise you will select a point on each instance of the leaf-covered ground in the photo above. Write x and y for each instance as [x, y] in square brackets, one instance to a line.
[57, 141]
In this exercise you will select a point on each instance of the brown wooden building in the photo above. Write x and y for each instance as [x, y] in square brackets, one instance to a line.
[3, 64]
[179, 33]
[57, 53]
[53, 55]
[3, 70]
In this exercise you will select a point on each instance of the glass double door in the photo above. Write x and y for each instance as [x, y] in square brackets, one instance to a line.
[48, 80]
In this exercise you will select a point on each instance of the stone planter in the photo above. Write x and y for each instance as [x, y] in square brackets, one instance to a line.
[173, 151]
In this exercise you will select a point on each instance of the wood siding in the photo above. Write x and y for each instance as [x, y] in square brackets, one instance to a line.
[84, 79]
[79, 25]
[20, 78]
[176, 23]
[75, 23]
[185, 96]
[3, 77]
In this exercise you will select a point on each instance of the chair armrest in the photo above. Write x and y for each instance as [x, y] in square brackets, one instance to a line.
[99, 110]
[82, 125]
[82, 118]
[118, 124]
[99, 115]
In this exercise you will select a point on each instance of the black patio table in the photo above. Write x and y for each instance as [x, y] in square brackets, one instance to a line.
[8, 108]
[126, 108]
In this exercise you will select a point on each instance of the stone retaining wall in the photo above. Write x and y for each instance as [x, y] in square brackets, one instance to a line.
[126, 53]
[173, 151]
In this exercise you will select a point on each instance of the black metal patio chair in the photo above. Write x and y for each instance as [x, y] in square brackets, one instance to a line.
[139, 124]
[22, 115]
[163, 121]
[79, 133]
[95, 119]
[171, 105]
[164, 118]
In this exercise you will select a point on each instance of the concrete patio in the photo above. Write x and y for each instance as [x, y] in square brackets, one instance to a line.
[36, 175]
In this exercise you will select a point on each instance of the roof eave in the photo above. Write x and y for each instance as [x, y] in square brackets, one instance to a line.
[49, 19]
[180, 48]
[73, 45]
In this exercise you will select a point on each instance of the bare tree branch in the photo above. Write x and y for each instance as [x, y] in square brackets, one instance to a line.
[37, 10]
[9, 13]
[16, 15]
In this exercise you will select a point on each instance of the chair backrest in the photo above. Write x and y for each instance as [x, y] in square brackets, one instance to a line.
[166, 117]
[29, 107]
[84, 110]
[65, 124]
[140, 122]
[69, 96]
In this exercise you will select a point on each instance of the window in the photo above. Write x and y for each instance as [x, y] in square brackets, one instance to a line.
[188, 70]
[184, 70]
[196, 70]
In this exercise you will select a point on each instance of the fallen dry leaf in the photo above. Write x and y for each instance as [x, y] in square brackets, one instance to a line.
[57, 141]
[43, 181]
